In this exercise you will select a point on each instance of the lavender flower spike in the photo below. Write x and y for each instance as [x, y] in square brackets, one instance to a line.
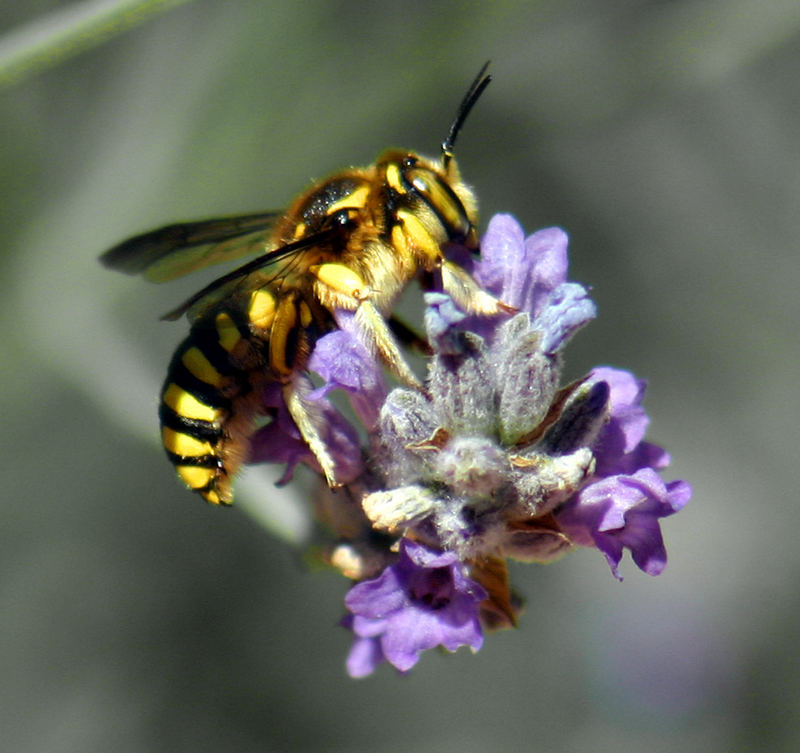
[495, 459]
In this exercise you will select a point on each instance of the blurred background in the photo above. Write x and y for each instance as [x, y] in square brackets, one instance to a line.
[663, 136]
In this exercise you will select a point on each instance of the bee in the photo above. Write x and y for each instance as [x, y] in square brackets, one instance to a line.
[352, 242]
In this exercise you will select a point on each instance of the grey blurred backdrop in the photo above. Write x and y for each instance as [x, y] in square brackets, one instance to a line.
[663, 136]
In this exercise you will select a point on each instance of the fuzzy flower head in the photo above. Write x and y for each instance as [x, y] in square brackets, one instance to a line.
[494, 458]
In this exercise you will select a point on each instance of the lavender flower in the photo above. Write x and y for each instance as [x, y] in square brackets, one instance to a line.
[623, 511]
[622, 508]
[495, 459]
[343, 362]
[421, 601]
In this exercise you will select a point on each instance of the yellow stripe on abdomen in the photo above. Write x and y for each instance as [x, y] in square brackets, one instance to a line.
[200, 367]
[195, 477]
[227, 332]
[188, 406]
[184, 445]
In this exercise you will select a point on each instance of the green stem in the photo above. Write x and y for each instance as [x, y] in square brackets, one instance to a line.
[52, 38]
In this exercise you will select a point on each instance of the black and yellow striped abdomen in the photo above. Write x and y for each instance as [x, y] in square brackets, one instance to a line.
[203, 383]
[213, 389]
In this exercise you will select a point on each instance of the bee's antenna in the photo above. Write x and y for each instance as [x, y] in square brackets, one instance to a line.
[470, 98]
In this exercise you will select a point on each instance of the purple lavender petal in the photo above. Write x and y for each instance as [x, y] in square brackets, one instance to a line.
[376, 598]
[623, 512]
[644, 455]
[443, 323]
[367, 627]
[409, 633]
[344, 363]
[548, 247]
[365, 655]
[421, 601]
[502, 249]
[626, 395]
[619, 448]
[521, 272]
[271, 444]
[343, 443]
[422, 557]
[562, 312]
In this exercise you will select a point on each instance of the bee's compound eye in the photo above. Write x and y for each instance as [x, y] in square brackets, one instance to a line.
[441, 200]
[421, 184]
[409, 161]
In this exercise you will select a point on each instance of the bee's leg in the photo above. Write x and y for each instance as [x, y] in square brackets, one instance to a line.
[284, 321]
[305, 414]
[340, 287]
[408, 336]
[309, 422]
[379, 338]
[468, 295]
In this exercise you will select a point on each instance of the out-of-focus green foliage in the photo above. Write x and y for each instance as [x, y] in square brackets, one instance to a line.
[62, 33]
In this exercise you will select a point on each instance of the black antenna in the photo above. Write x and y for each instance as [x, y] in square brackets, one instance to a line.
[470, 98]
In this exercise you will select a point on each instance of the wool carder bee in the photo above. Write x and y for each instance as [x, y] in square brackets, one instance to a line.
[352, 242]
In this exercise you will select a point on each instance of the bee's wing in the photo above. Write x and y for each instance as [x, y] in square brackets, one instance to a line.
[271, 266]
[176, 250]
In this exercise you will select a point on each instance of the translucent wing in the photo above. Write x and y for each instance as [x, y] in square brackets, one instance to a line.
[272, 265]
[176, 250]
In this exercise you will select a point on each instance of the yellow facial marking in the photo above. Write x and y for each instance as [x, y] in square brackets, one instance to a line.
[187, 405]
[393, 178]
[196, 478]
[261, 310]
[227, 332]
[418, 236]
[194, 360]
[399, 240]
[436, 195]
[184, 445]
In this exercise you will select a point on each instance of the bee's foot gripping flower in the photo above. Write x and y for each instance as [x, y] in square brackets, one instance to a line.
[496, 459]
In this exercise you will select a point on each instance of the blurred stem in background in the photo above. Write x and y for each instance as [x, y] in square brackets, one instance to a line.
[60, 34]
[692, 43]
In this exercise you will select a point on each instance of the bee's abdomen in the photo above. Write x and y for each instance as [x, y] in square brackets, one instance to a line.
[203, 383]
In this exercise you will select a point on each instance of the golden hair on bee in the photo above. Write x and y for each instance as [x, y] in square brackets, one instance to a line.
[352, 242]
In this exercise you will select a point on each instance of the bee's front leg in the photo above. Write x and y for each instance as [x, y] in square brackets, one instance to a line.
[339, 287]
[468, 295]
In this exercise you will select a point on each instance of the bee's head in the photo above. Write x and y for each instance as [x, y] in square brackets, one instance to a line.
[433, 189]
